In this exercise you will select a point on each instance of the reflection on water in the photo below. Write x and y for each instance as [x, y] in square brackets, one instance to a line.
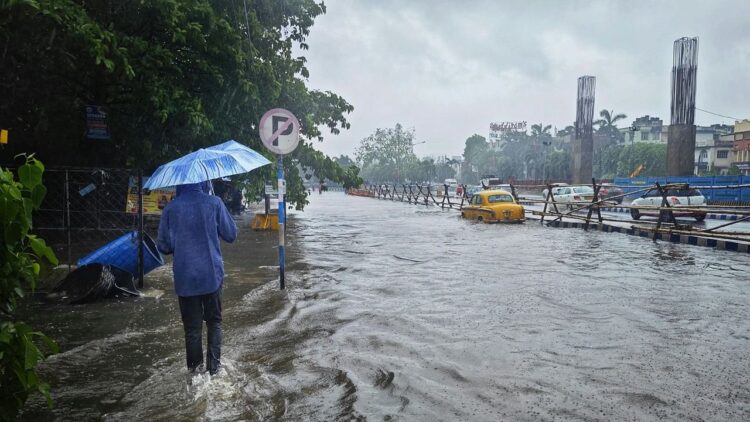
[398, 312]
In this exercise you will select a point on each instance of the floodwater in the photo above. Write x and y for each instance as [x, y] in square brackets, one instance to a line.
[401, 312]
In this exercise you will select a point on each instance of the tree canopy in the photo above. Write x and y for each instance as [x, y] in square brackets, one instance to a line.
[539, 155]
[172, 75]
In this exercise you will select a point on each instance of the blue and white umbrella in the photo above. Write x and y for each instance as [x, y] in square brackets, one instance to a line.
[221, 160]
[241, 152]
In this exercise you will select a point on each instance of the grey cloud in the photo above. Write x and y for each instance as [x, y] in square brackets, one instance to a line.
[448, 68]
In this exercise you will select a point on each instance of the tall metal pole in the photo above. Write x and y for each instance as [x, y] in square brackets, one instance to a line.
[282, 192]
[67, 216]
[140, 229]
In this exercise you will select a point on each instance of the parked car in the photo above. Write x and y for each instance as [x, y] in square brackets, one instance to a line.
[555, 189]
[678, 198]
[571, 196]
[494, 206]
[609, 191]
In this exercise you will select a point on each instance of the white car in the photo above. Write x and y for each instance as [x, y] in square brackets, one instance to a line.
[571, 196]
[692, 198]
[555, 189]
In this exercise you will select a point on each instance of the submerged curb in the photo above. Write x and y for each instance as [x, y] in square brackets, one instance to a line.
[724, 245]
[729, 217]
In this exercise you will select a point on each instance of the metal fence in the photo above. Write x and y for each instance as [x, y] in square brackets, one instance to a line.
[85, 209]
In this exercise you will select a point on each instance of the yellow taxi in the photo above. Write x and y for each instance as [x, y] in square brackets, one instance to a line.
[494, 206]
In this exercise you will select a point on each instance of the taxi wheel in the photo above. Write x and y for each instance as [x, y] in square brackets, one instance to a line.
[480, 219]
[700, 217]
[635, 213]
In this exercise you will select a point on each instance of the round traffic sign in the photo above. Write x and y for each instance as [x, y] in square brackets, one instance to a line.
[279, 131]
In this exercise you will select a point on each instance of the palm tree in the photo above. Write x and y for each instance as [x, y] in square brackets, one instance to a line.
[540, 130]
[568, 130]
[607, 123]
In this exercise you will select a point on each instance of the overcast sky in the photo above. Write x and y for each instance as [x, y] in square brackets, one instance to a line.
[449, 68]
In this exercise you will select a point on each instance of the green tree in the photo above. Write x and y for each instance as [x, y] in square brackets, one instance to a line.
[22, 255]
[444, 171]
[540, 130]
[654, 156]
[567, 130]
[387, 155]
[422, 170]
[516, 156]
[605, 163]
[173, 75]
[607, 125]
[344, 161]
[535, 152]
[558, 165]
[475, 151]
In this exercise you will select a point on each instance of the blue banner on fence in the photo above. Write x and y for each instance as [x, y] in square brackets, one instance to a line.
[713, 195]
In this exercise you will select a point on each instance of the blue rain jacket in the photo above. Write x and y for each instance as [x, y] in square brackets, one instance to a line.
[190, 228]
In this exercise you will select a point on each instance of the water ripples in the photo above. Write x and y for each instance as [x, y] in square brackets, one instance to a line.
[400, 312]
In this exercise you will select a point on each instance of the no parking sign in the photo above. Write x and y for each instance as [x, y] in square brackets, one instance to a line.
[279, 131]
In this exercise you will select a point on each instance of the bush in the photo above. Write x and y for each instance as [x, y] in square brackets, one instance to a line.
[21, 261]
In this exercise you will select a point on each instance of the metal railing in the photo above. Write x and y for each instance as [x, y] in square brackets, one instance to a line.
[666, 222]
[552, 211]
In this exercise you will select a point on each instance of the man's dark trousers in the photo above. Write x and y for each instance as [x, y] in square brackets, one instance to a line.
[195, 310]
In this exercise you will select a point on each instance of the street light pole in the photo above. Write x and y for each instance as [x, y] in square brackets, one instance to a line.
[633, 128]
[544, 164]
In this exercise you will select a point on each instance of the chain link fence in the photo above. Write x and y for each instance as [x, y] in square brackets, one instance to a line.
[85, 209]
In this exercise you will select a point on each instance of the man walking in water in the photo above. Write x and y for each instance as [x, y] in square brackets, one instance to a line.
[190, 228]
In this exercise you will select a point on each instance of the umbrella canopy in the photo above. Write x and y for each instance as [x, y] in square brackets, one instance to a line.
[222, 160]
[241, 152]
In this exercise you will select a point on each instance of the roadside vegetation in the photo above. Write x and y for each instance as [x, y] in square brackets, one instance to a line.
[387, 156]
[23, 255]
[172, 76]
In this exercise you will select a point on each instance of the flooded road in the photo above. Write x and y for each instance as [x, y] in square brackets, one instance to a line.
[399, 312]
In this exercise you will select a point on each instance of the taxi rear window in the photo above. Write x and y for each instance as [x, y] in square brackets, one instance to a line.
[499, 198]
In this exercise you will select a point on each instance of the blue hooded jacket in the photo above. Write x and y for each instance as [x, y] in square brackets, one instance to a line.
[190, 228]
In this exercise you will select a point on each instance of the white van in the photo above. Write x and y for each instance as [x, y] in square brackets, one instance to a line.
[490, 181]
[451, 184]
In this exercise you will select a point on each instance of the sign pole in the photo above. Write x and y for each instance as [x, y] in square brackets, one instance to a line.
[279, 132]
[282, 192]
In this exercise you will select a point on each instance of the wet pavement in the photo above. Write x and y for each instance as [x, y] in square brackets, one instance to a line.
[400, 312]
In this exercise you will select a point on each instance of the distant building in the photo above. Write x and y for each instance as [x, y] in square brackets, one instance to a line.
[741, 145]
[644, 129]
[713, 150]
[714, 155]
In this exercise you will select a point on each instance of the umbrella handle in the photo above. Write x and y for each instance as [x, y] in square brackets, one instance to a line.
[208, 179]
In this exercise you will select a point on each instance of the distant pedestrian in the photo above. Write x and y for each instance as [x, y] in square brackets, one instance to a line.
[190, 228]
